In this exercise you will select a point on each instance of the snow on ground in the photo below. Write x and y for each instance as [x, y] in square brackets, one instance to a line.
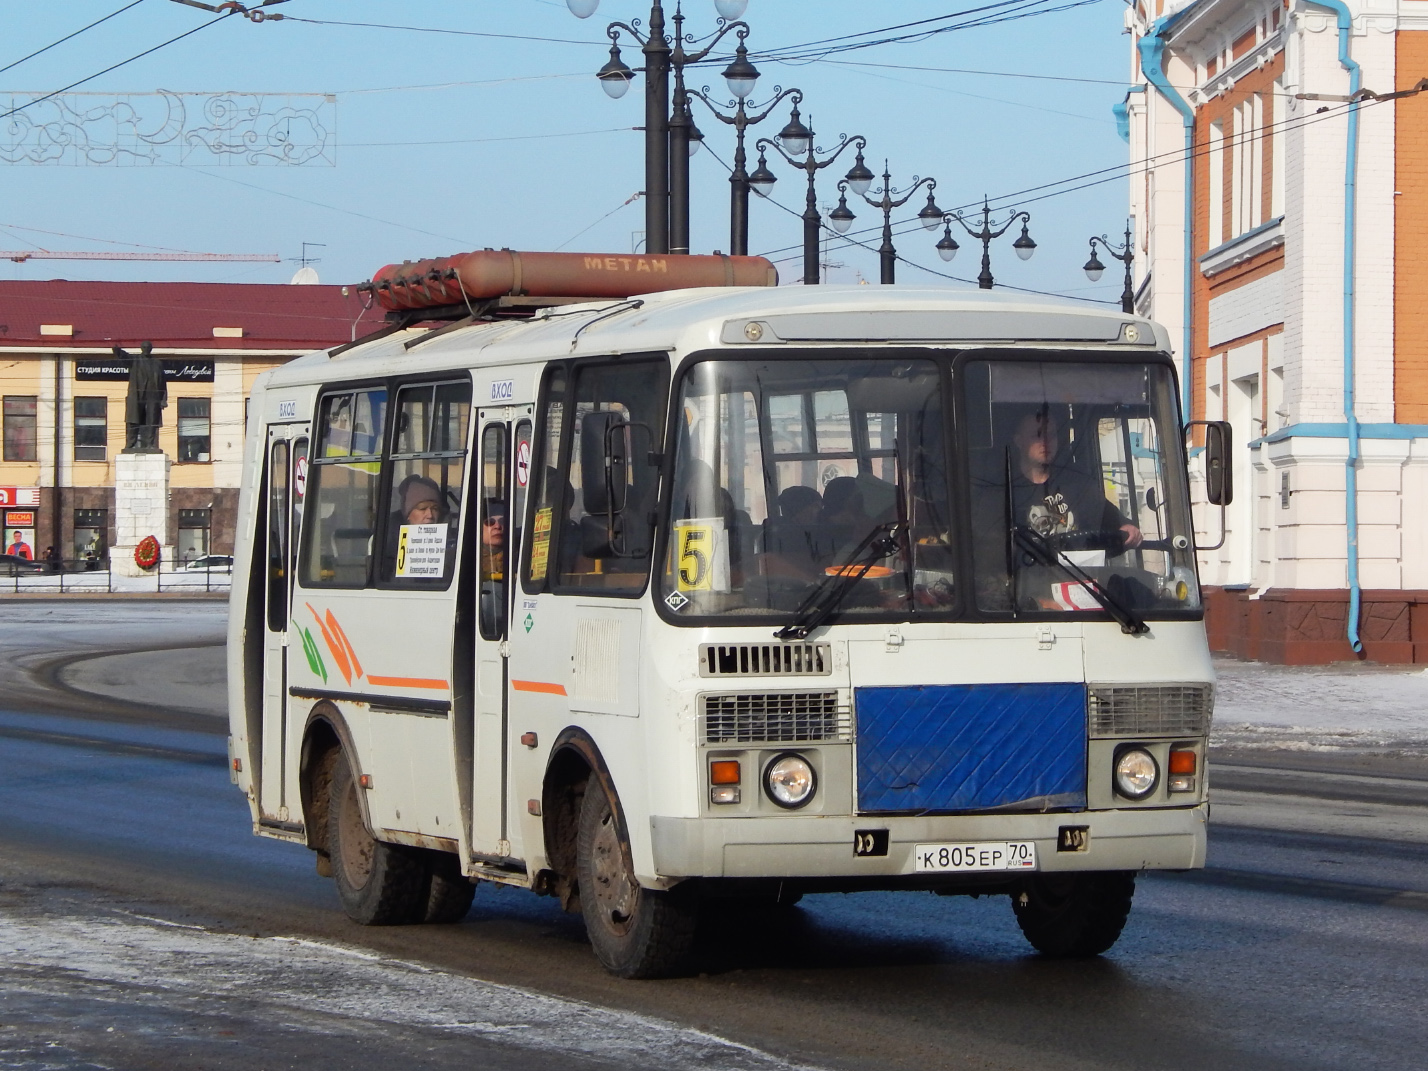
[308, 984]
[1321, 708]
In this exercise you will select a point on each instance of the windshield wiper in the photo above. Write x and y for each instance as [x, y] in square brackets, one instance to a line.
[1036, 545]
[829, 593]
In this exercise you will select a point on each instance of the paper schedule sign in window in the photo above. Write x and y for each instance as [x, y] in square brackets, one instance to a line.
[421, 551]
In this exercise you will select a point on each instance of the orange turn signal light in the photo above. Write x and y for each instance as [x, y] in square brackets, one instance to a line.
[1182, 762]
[724, 772]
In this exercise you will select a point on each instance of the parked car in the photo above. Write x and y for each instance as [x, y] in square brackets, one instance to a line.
[14, 565]
[209, 563]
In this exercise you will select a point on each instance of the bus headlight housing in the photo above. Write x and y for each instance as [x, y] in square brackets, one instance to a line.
[1136, 773]
[789, 780]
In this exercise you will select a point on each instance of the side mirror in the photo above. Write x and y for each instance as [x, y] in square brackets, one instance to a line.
[1219, 472]
[604, 463]
[1152, 500]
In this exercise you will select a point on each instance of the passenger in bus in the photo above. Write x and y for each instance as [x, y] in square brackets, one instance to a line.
[493, 540]
[1053, 497]
[420, 500]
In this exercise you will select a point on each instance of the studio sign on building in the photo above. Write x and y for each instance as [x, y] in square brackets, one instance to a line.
[112, 371]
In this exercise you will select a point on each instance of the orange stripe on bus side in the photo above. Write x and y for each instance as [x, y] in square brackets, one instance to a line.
[407, 682]
[538, 686]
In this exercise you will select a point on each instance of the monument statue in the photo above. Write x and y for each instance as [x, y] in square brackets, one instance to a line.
[148, 396]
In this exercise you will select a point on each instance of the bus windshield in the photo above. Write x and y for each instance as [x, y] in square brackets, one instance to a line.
[799, 483]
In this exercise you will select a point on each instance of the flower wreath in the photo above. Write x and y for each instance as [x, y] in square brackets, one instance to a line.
[146, 554]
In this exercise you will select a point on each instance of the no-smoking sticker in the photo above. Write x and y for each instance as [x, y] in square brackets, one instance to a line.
[300, 477]
[523, 463]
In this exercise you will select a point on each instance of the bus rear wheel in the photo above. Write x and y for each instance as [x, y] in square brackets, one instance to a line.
[379, 884]
[635, 932]
[1074, 916]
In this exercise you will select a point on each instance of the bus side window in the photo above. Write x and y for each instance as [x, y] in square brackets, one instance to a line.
[608, 550]
[344, 472]
[546, 507]
[278, 537]
[428, 468]
[495, 512]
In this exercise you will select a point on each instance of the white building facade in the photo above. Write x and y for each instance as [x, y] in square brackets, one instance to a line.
[1277, 229]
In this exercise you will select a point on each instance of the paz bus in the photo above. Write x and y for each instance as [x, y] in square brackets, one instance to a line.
[640, 581]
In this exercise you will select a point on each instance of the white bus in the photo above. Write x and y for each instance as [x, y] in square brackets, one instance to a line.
[736, 592]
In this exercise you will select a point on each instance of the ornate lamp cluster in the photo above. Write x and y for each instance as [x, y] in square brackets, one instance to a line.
[672, 137]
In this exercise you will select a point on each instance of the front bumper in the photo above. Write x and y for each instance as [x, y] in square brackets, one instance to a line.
[787, 846]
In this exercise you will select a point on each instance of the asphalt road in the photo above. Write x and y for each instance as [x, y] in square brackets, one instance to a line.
[141, 925]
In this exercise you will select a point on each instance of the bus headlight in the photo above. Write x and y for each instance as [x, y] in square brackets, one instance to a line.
[789, 780]
[1136, 773]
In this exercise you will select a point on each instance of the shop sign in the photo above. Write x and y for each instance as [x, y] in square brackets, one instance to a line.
[18, 519]
[112, 370]
[19, 496]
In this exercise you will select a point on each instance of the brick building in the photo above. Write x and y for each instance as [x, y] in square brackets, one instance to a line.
[63, 393]
[1312, 344]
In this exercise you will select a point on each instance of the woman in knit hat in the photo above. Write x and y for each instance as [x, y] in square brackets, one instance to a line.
[420, 500]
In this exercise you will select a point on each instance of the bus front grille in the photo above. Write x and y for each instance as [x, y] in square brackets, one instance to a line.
[765, 660]
[775, 718]
[1150, 709]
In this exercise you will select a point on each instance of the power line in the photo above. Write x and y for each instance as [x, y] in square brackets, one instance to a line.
[1115, 173]
[435, 29]
[114, 67]
[988, 74]
[70, 37]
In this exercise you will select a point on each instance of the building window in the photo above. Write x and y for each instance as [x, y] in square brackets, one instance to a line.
[91, 429]
[20, 437]
[194, 526]
[91, 535]
[1217, 184]
[193, 429]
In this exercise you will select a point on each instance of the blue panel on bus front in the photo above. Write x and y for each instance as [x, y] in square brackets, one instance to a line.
[971, 747]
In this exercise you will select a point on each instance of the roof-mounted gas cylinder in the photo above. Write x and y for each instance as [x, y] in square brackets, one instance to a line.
[492, 275]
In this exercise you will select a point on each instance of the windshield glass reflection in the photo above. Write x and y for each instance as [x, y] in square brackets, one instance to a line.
[785, 469]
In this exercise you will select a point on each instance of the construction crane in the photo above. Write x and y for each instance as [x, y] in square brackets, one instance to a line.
[19, 256]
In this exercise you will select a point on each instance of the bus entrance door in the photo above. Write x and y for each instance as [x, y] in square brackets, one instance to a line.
[504, 436]
[287, 481]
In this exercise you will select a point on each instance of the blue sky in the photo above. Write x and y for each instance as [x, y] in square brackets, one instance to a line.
[445, 142]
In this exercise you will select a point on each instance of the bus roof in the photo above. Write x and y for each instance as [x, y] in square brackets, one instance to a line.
[740, 318]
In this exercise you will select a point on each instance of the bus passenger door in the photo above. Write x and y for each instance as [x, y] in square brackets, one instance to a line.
[505, 457]
[287, 478]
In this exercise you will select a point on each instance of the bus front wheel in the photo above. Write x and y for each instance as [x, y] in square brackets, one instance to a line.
[635, 932]
[1071, 916]
[379, 884]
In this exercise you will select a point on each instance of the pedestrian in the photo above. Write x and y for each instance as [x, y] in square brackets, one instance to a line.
[20, 548]
[52, 556]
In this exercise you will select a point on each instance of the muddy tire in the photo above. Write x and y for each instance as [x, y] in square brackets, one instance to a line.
[379, 884]
[1074, 916]
[447, 893]
[635, 932]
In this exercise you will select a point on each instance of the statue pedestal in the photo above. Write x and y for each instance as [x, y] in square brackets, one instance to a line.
[141, 508]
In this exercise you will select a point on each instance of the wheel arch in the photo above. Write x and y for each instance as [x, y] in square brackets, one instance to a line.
[574, 759]
[325, 731]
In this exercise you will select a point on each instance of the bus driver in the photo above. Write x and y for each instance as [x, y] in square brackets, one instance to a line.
[1053, 499]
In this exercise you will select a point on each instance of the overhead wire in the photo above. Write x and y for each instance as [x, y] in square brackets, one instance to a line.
[116, 66]
[1118, 172]
[69, 37]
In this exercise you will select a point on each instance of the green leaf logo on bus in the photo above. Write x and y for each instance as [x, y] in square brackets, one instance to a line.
[314, 658]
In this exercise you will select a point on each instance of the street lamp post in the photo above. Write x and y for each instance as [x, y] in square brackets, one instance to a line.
[1024, 246]
[841, 218]
[669, 139]
[797, 140]
[1094, 268]
[739, 176]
